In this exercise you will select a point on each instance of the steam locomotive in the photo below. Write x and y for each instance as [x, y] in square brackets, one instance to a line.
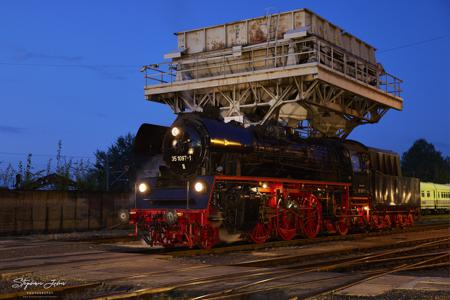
[210, 181]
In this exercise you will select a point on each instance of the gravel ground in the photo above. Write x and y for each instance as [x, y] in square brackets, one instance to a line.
[56, 248]
[435, 272]
[78, 235]
[395, 295]
[36, 244]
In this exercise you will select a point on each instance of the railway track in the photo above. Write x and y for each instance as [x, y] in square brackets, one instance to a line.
[298, 242]
[297, 260]
[252, 287]
[419, 254]
[222, 249]
[268, 274]
[374, 259]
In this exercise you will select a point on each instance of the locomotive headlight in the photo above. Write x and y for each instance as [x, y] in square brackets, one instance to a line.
[143, 187]
[199, 187]
[175, 131]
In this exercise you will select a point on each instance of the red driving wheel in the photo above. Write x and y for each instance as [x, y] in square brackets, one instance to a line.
[312, 216]
[260, 233]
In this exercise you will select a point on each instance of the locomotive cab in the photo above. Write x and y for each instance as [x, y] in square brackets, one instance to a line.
[360, 165]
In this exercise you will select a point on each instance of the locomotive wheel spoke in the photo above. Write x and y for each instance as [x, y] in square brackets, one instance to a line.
[342, 226]
[399, 221]
[387, 222]
[410, 219]
[260, 233]
[287, 228]
[166, 239]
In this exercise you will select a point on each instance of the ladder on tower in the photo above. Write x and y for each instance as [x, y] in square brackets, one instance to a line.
[272, 30]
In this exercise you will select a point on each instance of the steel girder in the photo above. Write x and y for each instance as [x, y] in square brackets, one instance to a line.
[329, 110]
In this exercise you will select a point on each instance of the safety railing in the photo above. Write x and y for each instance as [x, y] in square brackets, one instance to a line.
[390, 84]
[275, 55]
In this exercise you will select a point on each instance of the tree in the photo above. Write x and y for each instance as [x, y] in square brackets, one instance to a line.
[115, 169]
[7, 176]
[422, 160]
[68, 174]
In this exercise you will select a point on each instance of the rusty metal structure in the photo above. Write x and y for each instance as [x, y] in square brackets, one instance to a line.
[293, 67]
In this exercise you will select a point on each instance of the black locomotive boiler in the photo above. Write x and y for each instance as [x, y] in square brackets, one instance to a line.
[211, 180]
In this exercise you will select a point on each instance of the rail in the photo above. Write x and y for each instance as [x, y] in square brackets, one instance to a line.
[275, 55]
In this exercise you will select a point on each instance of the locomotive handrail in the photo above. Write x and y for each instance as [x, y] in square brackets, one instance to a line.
[284, 180]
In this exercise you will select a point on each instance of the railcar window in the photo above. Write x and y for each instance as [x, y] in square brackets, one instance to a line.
[423, 194]
[428, 194]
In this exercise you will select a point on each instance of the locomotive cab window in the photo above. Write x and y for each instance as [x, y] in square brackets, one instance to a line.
[360, 162]
[356, 163]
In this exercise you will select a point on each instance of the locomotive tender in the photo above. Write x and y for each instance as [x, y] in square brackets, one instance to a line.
[221, 179]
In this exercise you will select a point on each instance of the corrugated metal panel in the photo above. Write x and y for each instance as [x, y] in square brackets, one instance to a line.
[394, 191]
[255, 31]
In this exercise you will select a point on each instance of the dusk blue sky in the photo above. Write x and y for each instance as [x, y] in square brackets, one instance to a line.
[69, 70]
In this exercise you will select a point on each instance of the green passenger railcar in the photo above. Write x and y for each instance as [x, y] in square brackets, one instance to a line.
[435, 198]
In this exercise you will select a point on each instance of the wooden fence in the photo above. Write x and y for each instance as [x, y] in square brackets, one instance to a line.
[24, 212]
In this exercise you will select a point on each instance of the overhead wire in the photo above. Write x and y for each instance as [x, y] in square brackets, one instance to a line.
[414, 44]
[45, 155]
[86, 66]
[92, 66]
